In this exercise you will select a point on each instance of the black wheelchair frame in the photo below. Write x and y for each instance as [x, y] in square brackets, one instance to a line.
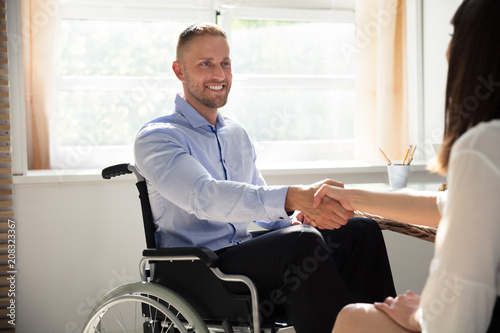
[187, 280]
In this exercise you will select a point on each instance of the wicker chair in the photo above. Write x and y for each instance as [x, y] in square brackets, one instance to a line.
[417, 231]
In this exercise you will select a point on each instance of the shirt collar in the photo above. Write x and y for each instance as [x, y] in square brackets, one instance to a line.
[192, 116]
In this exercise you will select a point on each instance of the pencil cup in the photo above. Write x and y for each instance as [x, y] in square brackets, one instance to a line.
[398, 175]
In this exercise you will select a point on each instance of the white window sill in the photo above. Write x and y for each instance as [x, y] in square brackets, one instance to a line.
[354, 171]
[60, 176]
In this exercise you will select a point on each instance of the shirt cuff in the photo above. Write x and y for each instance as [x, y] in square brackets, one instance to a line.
[420, 318]
[442, 201]
[273, 225]
[274, 202]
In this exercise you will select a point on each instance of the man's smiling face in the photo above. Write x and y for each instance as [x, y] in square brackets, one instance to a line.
[207, 73]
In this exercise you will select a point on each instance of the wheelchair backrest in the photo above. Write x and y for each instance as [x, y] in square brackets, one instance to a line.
[147, 214]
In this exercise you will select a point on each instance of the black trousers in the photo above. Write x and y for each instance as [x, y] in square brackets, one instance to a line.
[311, 273]
[495, 320]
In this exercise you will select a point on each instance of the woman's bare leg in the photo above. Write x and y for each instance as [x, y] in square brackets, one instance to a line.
[365, 318]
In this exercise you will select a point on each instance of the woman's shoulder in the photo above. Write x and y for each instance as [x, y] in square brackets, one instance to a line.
[483, 138]
[483, 135]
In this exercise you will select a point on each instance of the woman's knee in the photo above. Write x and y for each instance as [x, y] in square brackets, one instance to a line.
[348, 319]
[365, 318]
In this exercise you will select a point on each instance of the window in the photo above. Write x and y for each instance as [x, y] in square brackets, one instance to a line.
[293, 87]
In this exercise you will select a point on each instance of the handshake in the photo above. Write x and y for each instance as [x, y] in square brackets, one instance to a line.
[324, 204]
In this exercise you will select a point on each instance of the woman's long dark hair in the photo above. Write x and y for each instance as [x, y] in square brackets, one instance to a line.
[473, 87]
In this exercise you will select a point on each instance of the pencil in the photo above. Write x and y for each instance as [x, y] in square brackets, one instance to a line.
[385, 156]
[411, 154]
[406, 156]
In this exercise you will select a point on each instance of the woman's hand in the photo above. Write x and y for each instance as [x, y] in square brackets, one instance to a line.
[336, 193]
[403, 310]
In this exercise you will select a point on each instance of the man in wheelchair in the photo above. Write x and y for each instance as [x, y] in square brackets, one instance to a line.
[205, 189]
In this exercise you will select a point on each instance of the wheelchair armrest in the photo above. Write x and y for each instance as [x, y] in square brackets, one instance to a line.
[207, 256]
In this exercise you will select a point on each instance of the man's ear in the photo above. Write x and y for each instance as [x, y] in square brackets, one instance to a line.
[177, 67]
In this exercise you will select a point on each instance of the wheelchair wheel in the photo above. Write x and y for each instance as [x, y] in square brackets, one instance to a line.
[146, 308]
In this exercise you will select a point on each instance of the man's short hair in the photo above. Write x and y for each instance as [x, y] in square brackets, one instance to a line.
[197, 30]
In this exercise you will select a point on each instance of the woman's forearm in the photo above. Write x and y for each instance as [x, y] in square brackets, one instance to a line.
[416, 208]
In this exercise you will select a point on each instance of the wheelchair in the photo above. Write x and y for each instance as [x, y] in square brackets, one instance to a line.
[181, 290]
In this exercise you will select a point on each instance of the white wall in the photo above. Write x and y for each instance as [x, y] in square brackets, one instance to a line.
[437, 28]
[76, 240]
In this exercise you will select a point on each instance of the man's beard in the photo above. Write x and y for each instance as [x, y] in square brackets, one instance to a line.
[200, 94]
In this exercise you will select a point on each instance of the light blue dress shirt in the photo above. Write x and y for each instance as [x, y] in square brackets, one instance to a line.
[202, 181]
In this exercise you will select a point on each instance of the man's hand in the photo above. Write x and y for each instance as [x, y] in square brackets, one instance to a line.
[403, 310]
[329, 214]
[299, 218]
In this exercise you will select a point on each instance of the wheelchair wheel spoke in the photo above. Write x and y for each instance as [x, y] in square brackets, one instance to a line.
[105, 329]
[119, 322]
[100, 330]
[121, 315]
[167, 325]
[143, 307]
